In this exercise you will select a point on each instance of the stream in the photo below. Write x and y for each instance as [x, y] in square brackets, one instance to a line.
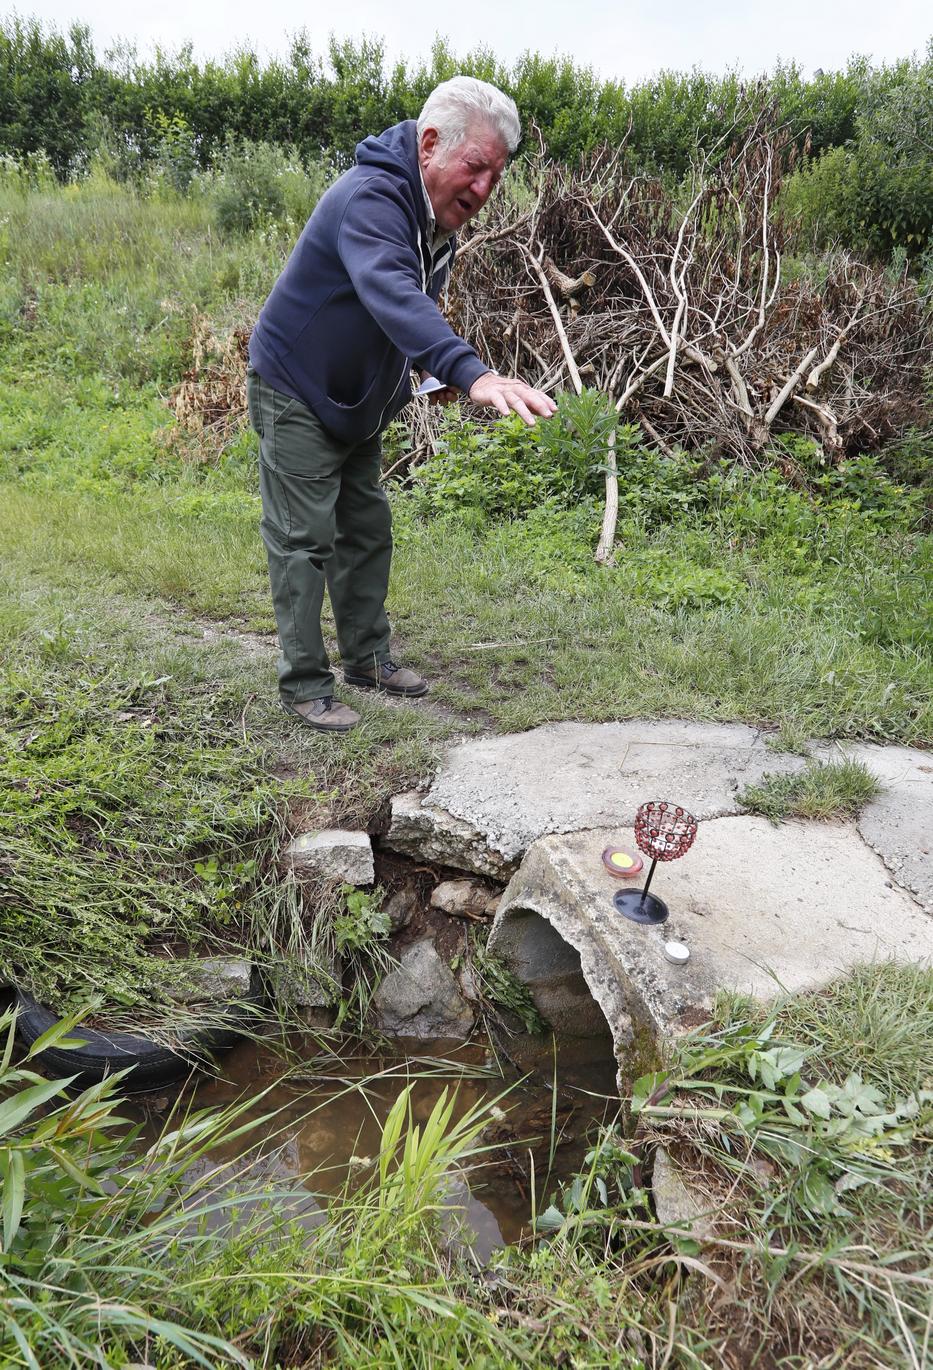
[330, 1110]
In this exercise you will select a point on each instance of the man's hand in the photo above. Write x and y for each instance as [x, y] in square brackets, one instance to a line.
[508, 394]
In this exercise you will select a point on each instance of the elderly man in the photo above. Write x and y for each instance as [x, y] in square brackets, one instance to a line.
[330, 360]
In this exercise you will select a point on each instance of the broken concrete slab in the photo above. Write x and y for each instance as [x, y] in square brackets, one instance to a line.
[764, 910]
[420, 829]
[420, 997]
[492, 798]
[899, 823]
[334, 854]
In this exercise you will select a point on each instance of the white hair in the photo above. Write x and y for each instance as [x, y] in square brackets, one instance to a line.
[458, 105]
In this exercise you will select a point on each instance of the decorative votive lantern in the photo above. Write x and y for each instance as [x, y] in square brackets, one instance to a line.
[663, 831]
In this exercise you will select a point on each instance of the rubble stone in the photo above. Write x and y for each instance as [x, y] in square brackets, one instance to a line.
[333, 853]
[420, 998]
[215, 979]
[460, 898]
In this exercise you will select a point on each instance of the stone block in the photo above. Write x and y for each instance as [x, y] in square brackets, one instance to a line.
[401, 908]
[214, 979]
[678, 1203]
[333, 854]
[305, 984]
[460, 898]
[429, 833]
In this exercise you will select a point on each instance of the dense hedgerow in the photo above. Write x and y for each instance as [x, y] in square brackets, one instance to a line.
[865, 129]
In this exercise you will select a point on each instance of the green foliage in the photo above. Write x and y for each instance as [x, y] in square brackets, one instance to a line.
[129, 815]
[833, 789]
[874, 193]
[249, 193]
[258, 184]
[831, 1137]
[176, 158]
[91, 1231]
[806, 1166]
[506, 469]
[865, 129]
[500, 987]
[678, 582]
[910, 464]
[361, 921]
[44, 96]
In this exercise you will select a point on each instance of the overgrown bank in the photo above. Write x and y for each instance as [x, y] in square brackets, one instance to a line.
[806, 1140]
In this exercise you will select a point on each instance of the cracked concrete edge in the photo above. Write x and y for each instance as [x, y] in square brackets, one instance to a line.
[892, 825]
[537, 888]
[904, 880]
[418, 829]
[424, 830]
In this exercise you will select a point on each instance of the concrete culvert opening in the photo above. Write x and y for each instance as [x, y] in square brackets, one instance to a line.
[550, 968]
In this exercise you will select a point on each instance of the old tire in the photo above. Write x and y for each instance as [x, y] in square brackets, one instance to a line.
[152, 1064]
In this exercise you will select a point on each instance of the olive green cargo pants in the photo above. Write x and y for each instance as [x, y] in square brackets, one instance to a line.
[325, 521]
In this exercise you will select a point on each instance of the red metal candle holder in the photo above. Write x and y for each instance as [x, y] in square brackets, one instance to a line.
[664, 831]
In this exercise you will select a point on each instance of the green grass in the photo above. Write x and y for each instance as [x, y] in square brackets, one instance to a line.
[522, 644]
[836, 789]
[144, 780]
[532, 645]
[804, 1136]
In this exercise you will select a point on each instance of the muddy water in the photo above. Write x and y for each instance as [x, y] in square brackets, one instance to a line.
[331, 1110]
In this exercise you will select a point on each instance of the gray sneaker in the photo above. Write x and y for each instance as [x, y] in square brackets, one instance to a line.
[327, 715]
[393, 679]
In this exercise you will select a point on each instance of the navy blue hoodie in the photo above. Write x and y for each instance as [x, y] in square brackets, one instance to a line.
[355, 307]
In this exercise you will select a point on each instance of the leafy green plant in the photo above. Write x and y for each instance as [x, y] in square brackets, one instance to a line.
[811, 1177]
[502, 988]
[362, 919]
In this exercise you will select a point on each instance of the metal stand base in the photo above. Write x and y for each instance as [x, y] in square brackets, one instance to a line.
[641, 907]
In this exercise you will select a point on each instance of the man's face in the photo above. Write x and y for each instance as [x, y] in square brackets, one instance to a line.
[459, 180]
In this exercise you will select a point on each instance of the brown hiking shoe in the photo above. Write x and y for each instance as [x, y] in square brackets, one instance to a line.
[395, 680]
[326, 714]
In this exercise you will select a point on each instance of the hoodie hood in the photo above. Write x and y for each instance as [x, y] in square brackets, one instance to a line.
[395, 151]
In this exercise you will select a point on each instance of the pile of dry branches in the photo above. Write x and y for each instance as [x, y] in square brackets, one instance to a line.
[676, 305]
[211, 396]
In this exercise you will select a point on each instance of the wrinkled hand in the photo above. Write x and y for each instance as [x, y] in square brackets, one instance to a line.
[508, 394]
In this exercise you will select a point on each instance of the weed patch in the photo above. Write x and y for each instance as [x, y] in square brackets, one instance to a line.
[837, 789]
[810, 1177]
[132, 815]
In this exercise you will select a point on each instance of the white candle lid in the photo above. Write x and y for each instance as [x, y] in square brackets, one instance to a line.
[678, 952]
